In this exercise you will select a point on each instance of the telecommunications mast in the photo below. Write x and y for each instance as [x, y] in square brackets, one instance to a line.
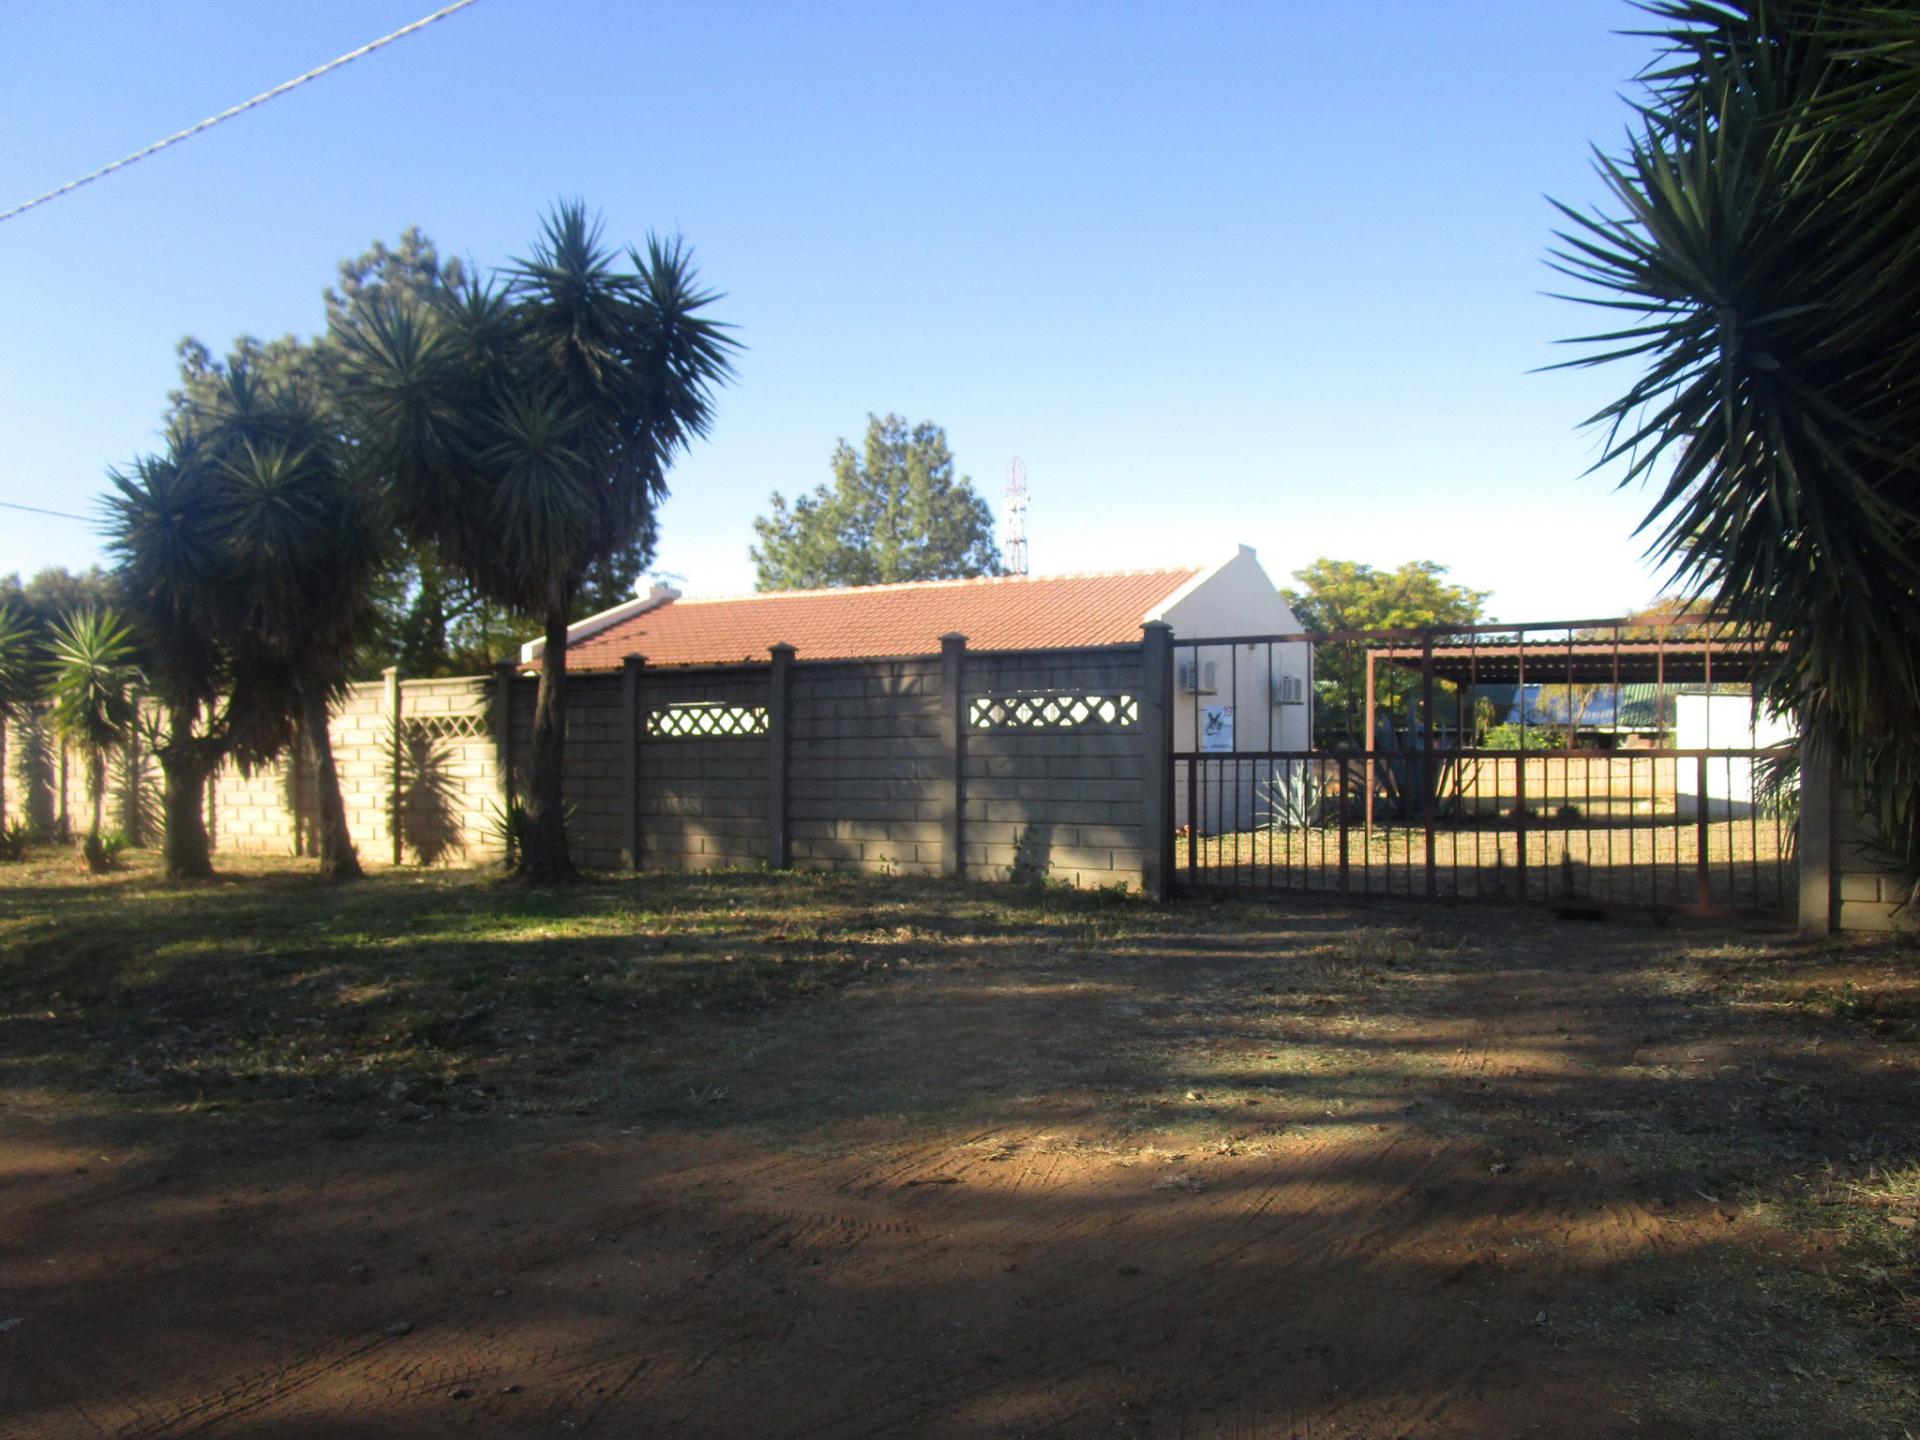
[1014, 551]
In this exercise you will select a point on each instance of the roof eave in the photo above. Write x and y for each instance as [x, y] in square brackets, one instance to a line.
[659, 595]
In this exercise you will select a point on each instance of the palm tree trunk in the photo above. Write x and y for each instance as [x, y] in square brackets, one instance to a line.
[186, 847]
[95, 852]
[337, 860]
[544, 857]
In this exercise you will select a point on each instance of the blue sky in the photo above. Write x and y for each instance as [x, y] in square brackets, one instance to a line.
[1261, 273]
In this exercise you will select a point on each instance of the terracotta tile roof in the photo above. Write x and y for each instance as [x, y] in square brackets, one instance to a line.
[1019, 612]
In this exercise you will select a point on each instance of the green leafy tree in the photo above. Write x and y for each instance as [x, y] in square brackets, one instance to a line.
[894, 512]
[1763, 259]
[56, 592]
[91, 685]
[1344, 595]
[525, 430]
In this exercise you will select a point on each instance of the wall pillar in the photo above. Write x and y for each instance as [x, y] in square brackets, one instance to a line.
[1814, 845]
[500, 704]
[634, 718]
[391, 675]
[779, 853]
[953, 732]
[1156, 759]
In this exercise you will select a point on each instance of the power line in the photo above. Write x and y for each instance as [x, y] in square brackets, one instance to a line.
[239, 109]
[36, 510]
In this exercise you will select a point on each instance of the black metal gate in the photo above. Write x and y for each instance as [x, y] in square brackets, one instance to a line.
[1537, 763]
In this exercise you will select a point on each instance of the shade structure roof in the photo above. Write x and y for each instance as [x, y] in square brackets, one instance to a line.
[1673, 661]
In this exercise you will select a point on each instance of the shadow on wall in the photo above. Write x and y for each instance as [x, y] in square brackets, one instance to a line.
[1032, 854]
[429, 818]
[33, 796]
[135, 782]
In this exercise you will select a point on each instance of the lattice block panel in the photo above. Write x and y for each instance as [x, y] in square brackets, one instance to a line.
[446, 727]
[1029, 711]
[706, 721]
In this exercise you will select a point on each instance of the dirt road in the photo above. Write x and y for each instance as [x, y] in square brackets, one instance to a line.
[1323, 1176]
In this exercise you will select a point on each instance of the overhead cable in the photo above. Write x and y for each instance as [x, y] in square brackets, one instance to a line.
[239, 109]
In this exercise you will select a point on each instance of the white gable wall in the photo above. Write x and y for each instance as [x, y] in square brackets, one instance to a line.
[1238, 598]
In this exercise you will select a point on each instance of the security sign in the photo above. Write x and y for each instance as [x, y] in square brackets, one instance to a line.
[1216, 727]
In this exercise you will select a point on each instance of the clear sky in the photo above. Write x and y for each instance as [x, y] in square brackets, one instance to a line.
[1263, 273]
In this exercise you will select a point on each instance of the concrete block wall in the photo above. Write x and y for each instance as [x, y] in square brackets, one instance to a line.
[449, 782]
[595, 763]
[1056, 804]
[362, 732]
[872, 772]
[703, 801]
[1846, 882]
[249, 813]
[866, 766]
[1869, 892]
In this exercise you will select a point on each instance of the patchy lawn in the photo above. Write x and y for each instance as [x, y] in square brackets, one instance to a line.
[819, 1156]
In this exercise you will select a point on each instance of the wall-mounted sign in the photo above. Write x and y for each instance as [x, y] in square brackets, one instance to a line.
[1216, 727]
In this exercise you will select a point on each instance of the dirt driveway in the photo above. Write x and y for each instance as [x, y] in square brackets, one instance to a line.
[1241, 1172]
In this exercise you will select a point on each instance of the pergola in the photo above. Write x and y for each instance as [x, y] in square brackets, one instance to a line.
[1588, 653]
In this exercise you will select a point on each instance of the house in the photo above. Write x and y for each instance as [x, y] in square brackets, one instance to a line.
[1233, 597]
[1255, 692]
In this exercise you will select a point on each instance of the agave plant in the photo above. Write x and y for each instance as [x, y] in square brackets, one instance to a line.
[1296, 796]
[93, 707]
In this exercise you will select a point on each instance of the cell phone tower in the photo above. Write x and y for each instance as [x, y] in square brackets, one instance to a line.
[1014, 547]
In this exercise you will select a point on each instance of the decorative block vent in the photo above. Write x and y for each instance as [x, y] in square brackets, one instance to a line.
[445, 727]
[1052, 710]
[706, 720]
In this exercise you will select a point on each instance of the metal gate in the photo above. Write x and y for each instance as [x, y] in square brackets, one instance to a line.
[1587, 764]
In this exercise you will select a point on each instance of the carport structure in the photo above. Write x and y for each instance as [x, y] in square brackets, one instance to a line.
[1571, 797]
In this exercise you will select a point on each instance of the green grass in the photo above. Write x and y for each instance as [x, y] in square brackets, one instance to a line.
[449, 993]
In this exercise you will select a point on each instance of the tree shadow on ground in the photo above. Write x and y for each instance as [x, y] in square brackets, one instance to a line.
[1014, 1169]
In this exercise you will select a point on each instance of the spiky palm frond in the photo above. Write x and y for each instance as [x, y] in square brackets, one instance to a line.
[543, 493]
[1765, 254]
[464, 412]
[19, 671]
[90, 679]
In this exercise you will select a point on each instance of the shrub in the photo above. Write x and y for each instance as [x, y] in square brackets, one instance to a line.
[1510, 736]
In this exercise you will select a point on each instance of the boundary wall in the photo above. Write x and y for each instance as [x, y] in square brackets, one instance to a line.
[1026, 765]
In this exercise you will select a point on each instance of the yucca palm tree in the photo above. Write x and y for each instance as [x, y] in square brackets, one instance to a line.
[247, 552]
[20, 685]
[1765, 262]
[301, 529]
[90, 684]
[185, 609]
[525, 429]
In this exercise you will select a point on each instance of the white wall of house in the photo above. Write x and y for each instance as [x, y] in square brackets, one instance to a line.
[1725, 722]
[1237, 597]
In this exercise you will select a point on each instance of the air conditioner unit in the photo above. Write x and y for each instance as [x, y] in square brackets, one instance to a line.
[1197, 677]
[1289, 690]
